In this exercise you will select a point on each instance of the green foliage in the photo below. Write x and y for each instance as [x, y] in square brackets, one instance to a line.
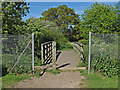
[12, 13]
[85, 42]
[37, 61]
[96, 80]
[63, 17]
[23, 66]
[14, 44]
[101, 18]
[85, 54]
[44, 31]
[80, 32]
[57, 71]
[66, 46]
[98, 18]
[12, 47]
[4, 70]
[107, 63]
[81, 64]
[37, 74]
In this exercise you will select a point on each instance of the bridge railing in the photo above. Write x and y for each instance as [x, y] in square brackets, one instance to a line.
[78, 48]
[48, 53]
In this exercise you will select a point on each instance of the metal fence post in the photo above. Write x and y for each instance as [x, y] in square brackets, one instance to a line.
[0, 60]
[33, 52]
[89, 52]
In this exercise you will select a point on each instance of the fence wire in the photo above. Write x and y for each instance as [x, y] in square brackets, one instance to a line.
[0, 61]
[104, 53]
[12, 48]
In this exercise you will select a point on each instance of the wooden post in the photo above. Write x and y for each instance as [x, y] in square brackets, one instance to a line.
[54, 55]
[33, 52]
[81, 51]
[42, 54]
[89, 52]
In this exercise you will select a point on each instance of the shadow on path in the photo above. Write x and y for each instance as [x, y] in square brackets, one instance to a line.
[50, 60]
[56, 68]
[58, 54]
[63, 65]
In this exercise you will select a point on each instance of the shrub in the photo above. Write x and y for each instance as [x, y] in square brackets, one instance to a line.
[107, 63]
[85, 42]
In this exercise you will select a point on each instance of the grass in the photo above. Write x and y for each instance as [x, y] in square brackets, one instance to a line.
[69, 46]
[81, 64]
[10, 79]
[57, 71]
[67, 49]
[81, 84]
[96, 80]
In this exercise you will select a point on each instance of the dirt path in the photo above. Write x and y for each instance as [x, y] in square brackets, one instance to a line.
[67, 58]
[65, 79]
[61, 80]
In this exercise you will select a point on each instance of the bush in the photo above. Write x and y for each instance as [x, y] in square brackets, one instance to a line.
[4, 70]
[44, 31]
[85, 42]
[24, 64]
[107, 64]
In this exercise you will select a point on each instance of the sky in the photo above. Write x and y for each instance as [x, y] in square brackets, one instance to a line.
[36, 8]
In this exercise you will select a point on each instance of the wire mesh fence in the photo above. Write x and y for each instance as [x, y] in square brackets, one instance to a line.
[16, 53]
[104, 53]
[0, 61]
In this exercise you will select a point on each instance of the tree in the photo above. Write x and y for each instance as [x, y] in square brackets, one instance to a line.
[64, 17]
[44, 31]
[80, 32]
[101, 18]
[12, 13]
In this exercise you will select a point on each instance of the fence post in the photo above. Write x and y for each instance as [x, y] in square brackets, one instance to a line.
[33, 52]
[54, 55]
[89, 52]
[42, 53]
[81, 51]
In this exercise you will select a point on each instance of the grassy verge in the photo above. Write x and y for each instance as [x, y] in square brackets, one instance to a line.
[96, 80]
[10, 79]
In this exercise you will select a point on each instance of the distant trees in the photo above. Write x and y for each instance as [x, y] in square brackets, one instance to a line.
[99, 18]
[64, 17]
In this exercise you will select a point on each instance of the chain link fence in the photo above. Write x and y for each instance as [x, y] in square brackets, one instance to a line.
[16, 53]
[0, 61]
[104, 53]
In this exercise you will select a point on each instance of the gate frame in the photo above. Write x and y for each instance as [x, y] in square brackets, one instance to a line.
[48, 50]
